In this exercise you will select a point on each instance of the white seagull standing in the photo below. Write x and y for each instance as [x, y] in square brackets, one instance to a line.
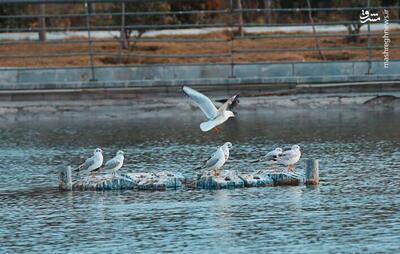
[225, 147]
[217, 159]
[113, 165]
[93, 162]
[215, 116]
[271, 157]
[290, 157]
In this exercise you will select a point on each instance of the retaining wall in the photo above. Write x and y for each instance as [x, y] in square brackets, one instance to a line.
[208, 74]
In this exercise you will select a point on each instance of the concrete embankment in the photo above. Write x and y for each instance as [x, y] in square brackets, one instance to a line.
[119, 105]
[167, 91]
[150, 76]
[155, 87]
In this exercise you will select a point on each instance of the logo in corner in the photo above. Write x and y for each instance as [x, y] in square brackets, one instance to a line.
[367, 16]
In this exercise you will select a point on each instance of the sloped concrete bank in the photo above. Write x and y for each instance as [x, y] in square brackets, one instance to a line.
[140, 92]
[148, 107]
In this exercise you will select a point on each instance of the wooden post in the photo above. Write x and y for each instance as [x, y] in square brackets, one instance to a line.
[65, 178]
[42, 23]
[312, 172]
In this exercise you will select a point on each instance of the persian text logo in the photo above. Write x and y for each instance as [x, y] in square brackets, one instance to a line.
[367, 16]
[386, 39]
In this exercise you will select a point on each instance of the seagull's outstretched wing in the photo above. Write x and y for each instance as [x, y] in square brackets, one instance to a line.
[202, 101]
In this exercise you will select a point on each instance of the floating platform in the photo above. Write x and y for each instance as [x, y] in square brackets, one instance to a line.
[131, 181]
[230, 179]
[227, 179]
[165, 180]
[279, 176]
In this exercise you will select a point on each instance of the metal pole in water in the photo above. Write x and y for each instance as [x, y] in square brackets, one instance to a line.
[65, 178]
[68, 178]
[312, 172]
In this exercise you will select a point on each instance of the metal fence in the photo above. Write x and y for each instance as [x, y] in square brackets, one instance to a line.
[98, 33]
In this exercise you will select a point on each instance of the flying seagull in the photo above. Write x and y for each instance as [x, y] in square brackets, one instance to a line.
[217, 159]
[215, 116]
[290, 157]
[271, 157]
[93, 163]
[113, 165]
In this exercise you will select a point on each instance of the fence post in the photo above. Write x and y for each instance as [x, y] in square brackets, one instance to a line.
[312, 172]
[42, 23]
[88, 11]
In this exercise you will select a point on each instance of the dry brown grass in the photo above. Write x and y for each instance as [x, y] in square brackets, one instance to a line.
[190, 48]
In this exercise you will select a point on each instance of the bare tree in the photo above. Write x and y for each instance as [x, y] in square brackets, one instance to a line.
[354, 26]
[314, 31]
[268, 14]
[240, 18]
[353, 32]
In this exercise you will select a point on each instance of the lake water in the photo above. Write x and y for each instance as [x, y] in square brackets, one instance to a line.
[355, 209]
